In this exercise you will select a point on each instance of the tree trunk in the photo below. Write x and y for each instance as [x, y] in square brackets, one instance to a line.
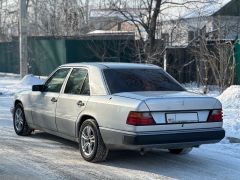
[152, 28]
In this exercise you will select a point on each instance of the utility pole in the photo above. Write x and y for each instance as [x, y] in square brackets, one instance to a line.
[23, 38]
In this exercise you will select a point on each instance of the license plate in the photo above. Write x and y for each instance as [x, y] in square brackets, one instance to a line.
[181, 117]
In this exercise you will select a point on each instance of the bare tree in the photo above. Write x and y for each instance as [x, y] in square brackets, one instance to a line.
[45, 17]
[56, 17]
[212, 40]
[112, 47]
[215, 62]
[8, 19]
[145, 15]
[215, 56]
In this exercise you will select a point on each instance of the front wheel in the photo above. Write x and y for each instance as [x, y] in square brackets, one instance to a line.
[91, 145]
[19, 122]
[180, 151]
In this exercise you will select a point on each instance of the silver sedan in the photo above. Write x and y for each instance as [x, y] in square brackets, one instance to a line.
[106, 106]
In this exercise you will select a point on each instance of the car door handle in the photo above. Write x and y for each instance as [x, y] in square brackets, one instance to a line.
[54, 99]
[80, 103]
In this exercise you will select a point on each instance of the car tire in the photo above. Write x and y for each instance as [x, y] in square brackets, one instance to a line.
[19, 121]
[91, 145]
[180, 151]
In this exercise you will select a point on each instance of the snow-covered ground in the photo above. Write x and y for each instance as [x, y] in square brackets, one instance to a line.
[43, 156]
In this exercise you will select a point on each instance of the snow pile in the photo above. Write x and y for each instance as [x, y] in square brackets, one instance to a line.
[230, 99]
[30, 80]
[19, 85]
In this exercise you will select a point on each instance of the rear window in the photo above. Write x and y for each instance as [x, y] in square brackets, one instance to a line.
[130, 80]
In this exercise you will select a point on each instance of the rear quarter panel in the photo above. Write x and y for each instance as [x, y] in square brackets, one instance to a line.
[112, 111]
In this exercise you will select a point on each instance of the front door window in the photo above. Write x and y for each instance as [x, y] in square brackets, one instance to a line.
[55, 82]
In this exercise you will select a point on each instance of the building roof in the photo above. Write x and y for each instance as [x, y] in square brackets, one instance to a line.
[207, 9]
[199, 9]
[107, 32]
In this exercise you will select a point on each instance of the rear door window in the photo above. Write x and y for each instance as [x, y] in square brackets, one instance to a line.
[78, 82]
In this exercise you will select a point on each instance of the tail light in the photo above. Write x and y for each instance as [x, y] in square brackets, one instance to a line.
[215, 116]
[140, 119]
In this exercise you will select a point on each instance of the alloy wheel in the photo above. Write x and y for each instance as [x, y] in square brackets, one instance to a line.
[18, 120]
[88, 141]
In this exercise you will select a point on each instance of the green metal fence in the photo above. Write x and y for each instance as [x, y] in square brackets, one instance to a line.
[9, 57]
[99, 50]
[45, 54]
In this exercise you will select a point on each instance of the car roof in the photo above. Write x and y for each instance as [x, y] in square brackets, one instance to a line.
[112, 65]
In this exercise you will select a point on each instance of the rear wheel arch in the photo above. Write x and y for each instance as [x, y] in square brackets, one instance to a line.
[82, 119]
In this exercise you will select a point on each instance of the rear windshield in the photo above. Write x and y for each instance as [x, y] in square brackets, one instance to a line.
[130, 80]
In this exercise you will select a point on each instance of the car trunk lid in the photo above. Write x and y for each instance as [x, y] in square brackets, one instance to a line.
[172, 100]
[171, 107]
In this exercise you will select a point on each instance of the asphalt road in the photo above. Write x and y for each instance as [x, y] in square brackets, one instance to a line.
[43, 156]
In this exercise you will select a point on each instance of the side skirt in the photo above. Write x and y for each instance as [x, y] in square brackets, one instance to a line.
[55, 133]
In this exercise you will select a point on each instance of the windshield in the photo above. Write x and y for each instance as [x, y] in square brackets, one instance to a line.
[130, 80]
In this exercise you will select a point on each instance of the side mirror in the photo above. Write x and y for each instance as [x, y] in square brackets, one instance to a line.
[40, 88]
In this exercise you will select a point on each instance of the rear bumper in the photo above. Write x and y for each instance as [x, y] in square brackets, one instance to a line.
[173, 138]
[161, 139]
